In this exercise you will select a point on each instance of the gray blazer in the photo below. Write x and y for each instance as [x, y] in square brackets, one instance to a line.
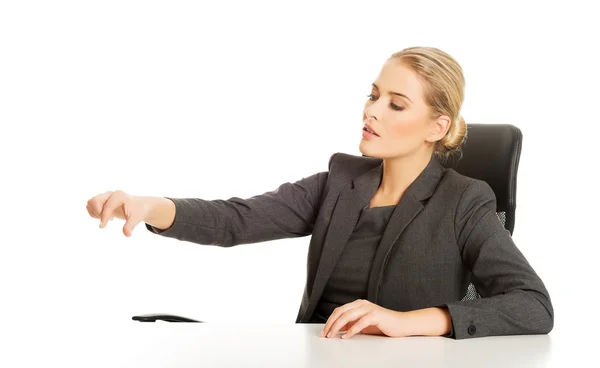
[442, 235]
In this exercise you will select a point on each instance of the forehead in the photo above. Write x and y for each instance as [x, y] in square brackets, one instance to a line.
[397, 77]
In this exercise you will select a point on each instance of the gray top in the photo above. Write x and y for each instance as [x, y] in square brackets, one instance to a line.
[350, 276]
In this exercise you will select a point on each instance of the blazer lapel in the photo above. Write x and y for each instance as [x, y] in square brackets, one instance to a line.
[409, 206]
[350, 202]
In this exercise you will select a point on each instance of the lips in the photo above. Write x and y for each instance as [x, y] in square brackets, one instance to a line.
[369, 129]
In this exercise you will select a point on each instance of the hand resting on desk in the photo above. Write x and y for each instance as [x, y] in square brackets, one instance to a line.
[371, 319]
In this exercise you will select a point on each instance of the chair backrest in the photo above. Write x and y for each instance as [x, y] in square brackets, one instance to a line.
[491, 153]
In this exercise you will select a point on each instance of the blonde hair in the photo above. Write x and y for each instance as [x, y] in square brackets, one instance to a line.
[444, 89]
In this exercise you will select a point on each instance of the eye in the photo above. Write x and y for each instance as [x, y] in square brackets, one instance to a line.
[372, 97]
[396, 107]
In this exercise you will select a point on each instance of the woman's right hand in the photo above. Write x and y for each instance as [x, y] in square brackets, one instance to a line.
[121, 205]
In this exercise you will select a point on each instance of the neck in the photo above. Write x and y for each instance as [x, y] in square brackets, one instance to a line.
[399, 173]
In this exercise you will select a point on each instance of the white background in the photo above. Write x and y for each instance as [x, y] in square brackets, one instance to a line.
[219, 99]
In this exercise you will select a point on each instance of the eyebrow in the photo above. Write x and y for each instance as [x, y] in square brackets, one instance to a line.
[395, 93]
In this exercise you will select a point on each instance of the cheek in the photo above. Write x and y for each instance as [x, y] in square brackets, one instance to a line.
[407, 128]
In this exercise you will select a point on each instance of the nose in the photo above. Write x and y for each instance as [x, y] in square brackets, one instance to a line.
[374, 110]
[369, 118]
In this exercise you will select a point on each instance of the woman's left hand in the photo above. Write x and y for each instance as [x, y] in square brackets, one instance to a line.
[366, 317]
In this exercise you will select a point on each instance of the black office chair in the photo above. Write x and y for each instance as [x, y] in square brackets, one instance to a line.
[491, 153]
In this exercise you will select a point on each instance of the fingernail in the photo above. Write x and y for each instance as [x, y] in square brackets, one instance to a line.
[343, 336]
[329, 334]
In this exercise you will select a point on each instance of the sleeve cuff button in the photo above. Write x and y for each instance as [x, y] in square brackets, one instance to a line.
[471, 330]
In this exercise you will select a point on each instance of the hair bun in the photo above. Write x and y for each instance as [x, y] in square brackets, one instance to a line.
[454, 138]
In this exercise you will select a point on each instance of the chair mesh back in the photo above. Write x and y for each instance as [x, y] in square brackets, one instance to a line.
[471, 293]
[502, 217]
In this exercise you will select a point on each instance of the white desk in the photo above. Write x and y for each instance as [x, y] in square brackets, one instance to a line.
[299, 345]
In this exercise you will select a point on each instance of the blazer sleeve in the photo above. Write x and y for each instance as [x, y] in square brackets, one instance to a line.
[514, 300]
[286, 212]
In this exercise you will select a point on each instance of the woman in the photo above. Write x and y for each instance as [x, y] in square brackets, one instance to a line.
[396, 238]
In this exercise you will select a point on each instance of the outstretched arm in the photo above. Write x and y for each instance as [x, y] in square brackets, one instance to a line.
[286, 212]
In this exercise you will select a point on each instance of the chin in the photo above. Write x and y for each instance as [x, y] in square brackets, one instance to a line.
[367, 152]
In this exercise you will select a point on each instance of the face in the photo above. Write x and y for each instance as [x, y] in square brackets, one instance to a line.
[396, 111]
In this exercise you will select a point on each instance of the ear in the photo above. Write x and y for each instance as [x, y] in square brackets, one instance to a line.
[438, 128]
